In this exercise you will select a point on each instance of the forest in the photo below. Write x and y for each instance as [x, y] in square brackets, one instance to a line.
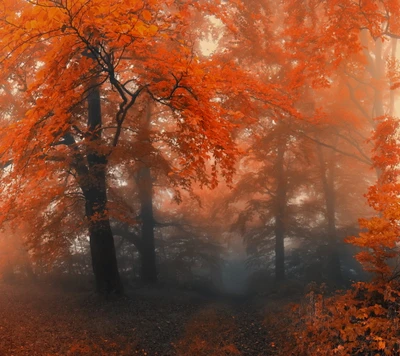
[199, 178]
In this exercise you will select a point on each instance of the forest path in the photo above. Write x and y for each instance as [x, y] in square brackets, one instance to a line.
[226, 327]
[39, 321]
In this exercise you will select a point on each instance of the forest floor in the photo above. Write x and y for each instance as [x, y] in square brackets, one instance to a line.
[35, 320]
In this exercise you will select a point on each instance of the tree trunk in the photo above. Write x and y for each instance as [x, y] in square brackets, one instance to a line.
[334, 272]
[280, 214]
[145, 187]
[94, 188]
[147, 251]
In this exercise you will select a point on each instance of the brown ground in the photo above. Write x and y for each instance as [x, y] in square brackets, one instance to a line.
[45, 321]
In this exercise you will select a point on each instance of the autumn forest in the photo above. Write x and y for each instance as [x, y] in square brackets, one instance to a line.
[209, 177]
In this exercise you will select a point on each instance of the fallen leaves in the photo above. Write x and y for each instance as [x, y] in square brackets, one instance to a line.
[43, 321]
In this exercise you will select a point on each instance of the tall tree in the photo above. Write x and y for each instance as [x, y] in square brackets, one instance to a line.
[111, 52]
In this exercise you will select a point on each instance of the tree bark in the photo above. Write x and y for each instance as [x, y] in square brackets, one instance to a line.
[94, 187]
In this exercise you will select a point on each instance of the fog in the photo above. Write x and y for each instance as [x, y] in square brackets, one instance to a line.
[220, 241]
[206, 160]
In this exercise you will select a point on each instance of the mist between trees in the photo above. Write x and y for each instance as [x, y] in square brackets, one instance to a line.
[228, 147]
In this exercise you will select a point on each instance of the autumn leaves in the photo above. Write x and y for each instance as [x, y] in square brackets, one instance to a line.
[291, 67]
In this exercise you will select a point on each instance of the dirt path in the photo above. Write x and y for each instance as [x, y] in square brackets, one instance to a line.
[37, 321]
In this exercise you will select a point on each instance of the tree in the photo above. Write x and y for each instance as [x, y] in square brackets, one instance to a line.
[114, 52]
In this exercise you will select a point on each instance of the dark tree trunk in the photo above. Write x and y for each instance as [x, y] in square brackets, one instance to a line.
[145, 188]
[334, 272]
[147, 251]
[280, 214]
[94, 187]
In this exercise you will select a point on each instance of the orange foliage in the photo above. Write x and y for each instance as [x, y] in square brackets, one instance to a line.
[363, 321]
[381, 234]
[136, 51]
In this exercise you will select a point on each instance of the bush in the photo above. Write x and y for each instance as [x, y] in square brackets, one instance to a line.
[362, 321]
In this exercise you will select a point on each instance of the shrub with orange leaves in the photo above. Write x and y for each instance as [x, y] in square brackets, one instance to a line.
[362, 321]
